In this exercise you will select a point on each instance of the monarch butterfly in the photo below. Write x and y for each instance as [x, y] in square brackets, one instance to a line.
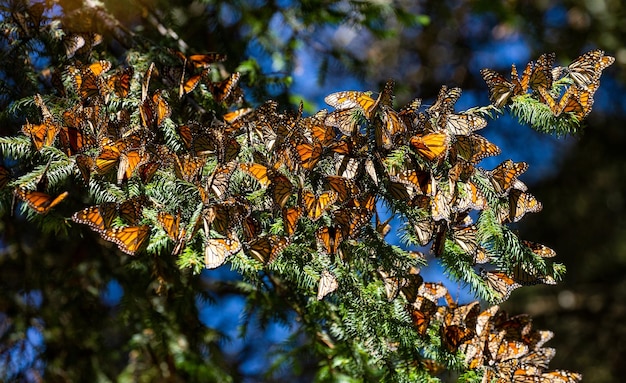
[327, 284]
[504, 176]
[466, 239]
[318, 130]
[537, 339]
[473, 148]
[401, 190]
[126, 152]
[154, 111]
[225, 215]
[237, 115]
[280, 189]
[524, 277]
[579, 103]
[216, 250]
[469, 197]
[109, 155]
[521, 83]
[433, 291]
[347, 167]
[291, 216]
[314, 205]
[172, 228]
[87, 83]
[225, 88]
[392, 284]
[39, 201]
[147, 170]
[561, 376]
[391, 127]
[473, 350]
[42, 134]
[520, 203]
[541, 75]
[510, 350]
[463, 124]
[99, 217]
[85, 164]
[351, 220]
[501, 284]
[75, 140]
[414, 280]
[367, 201]
[514, 328]
[329, 237]
[440, 205]
[464, 315]
[129, 161]
[121, 81]
[346, 120]
[131, 209]
[258, 171]
[129, 239]
[309, 154]
[206, 59]
[188, 168]
[446, 99]
[540, 357]
[371, 170]
[420, 180]
[80, 42]
[409, 113]
[587, 68]
[195, 138]
[191, 83]
[424, 229]
[263, 124]
[279, 185]
[453, 336]
[500, 89]
[5, 176]
[407, 284]
[145, 82]
[422, 310]
[430, 146]
[541, 250]
[353, 99]
[171, 225]
[99, 67]
[266, 249]
[344, 187]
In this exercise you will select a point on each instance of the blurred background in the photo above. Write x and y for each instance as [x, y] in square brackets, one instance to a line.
[306, 50]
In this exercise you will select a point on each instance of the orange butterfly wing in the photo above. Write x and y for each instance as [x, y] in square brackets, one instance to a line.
[216, 250]
[99, 217]
[316, 206]
[258, 171]
[39, 201]
[291, 216]
[352, 99]
[430, 146]
[129, 239]
[42, 134]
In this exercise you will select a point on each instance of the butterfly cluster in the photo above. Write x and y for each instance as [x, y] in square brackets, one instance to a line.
[506, 348]
[266, 186]
[116, 146]
[259, 180]
[565, 90]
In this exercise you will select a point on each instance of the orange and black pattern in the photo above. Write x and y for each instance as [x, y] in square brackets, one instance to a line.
[260, 182]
